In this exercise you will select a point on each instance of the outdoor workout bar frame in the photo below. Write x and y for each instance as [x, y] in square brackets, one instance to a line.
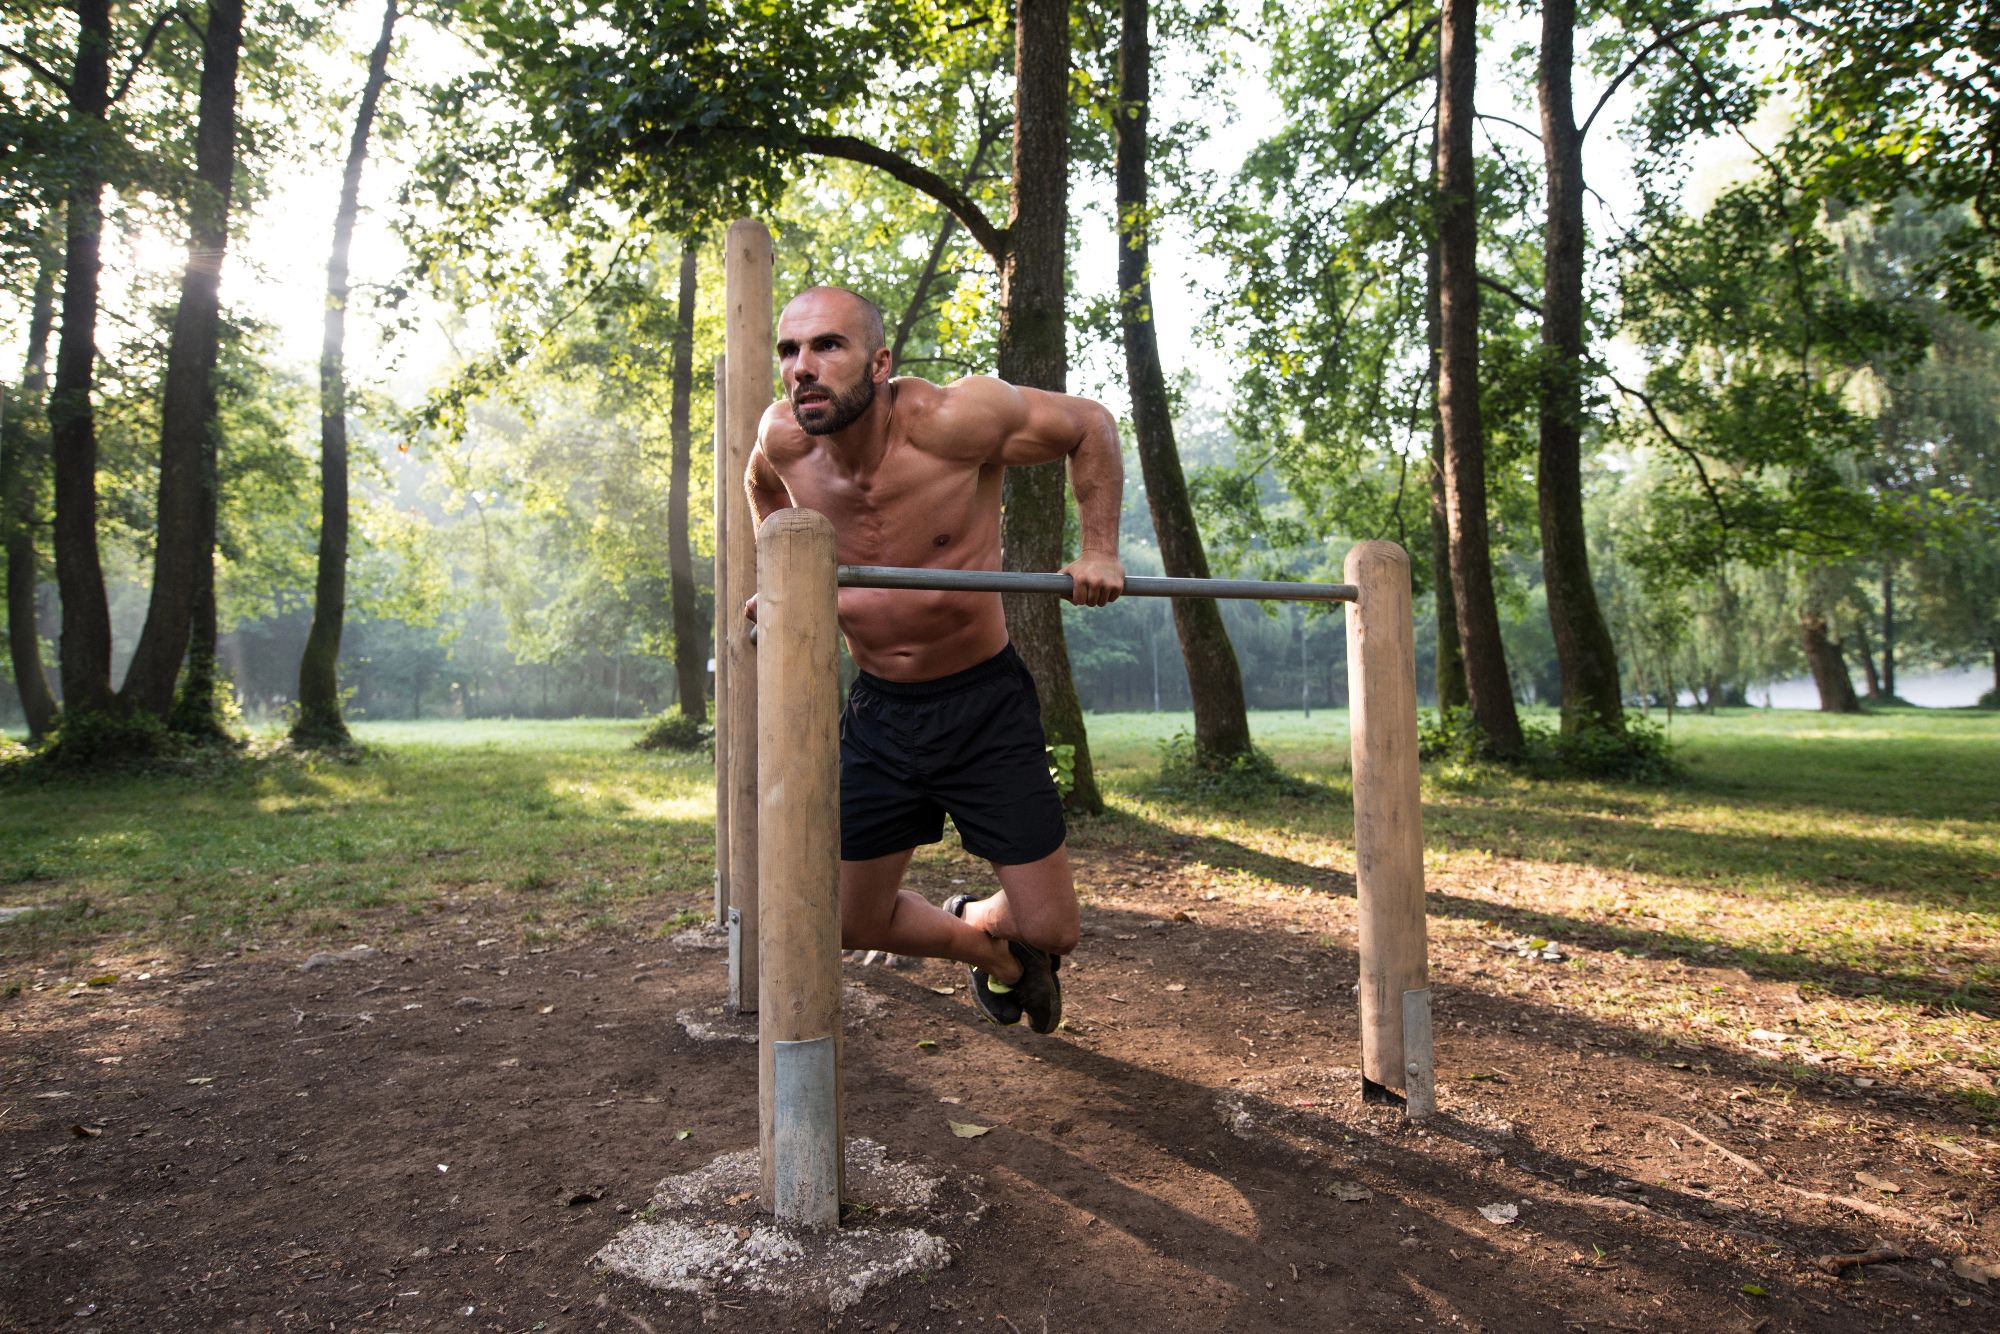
[777, 762]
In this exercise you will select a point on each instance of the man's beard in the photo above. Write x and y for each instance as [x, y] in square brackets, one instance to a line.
[837, 413]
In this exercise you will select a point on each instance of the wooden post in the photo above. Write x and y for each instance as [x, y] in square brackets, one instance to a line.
[720, 641]
[748, 349]
[798, 868]
[1388, 826]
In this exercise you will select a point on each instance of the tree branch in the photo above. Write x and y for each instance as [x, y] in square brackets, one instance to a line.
[36, 68]
[993, 240]
[1701, 471]
[1515, 123]
[146, 49]
[1496, 285]
[1632, 65]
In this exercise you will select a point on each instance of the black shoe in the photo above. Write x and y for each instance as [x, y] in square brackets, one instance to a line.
[999, 1007]
[1038, 993]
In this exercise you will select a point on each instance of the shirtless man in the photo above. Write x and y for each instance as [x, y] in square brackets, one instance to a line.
[944, 718]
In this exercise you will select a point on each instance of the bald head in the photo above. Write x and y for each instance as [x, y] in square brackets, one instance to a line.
[831, 356]
[819, 310]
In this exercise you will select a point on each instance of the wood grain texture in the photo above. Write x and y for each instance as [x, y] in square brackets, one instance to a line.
[748, 347]
[798, 780]
[1388, 809]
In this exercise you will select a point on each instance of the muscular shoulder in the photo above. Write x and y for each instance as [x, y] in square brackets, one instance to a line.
[969, 418]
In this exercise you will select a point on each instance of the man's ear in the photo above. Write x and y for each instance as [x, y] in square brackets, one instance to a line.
[883, 365]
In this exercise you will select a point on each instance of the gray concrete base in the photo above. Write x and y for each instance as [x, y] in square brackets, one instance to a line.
[703, 1234]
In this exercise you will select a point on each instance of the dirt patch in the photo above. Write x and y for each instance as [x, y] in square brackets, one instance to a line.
[444, 1138]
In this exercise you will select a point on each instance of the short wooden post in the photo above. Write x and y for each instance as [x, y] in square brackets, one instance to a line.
[720, 641]
[747, 342]
[798, 868]
[1388, 827]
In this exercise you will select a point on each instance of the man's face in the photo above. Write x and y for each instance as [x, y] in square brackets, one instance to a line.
[829, 371]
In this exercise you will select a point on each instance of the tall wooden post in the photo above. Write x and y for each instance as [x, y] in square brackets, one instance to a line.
[720, 662]
[748, 351]
[798, 868]
[1388, 828]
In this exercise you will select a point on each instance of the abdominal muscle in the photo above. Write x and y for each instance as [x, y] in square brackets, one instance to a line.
[903, 634]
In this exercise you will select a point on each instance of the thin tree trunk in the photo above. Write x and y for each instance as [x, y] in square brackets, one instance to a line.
[1585, 653]
[1450, 662]
[1215, 680]
[187, 398]
[1487, 686]
[320, 721]
[1829, 667]
[23, 455]
[915, 310]
[196, 712]
[84, 650]
[1034, 352]
[1889, 630]
[1868, 675]
[688, 639]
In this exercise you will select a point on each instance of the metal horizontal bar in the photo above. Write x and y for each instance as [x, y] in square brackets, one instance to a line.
[1138, 586]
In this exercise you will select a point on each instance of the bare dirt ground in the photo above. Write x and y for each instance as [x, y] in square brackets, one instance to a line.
[411, 1142]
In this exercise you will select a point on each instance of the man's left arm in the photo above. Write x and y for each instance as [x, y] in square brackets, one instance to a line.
[1047, 426]
[1097, 475]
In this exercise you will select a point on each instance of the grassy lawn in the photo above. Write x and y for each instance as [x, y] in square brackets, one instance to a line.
[550, 827]
[1856, 860]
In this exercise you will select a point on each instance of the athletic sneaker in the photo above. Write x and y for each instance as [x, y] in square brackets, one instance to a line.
[1038, 993]
[999, 1007]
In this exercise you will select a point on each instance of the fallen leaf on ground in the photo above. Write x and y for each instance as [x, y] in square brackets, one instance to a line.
[582, 1195]
[205, 1079]
[1752, 1290]
[952, 1101]
[85, 1132]
[682, 1134]
[744, 1198]
[1176, 986]
[945, 991]
[1870, 1179]
[925, 1042]
[1351, 1191]
[965, 1131]
[1499, 1213]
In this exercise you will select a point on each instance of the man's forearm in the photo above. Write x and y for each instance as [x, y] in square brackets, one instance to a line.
[1097, 476]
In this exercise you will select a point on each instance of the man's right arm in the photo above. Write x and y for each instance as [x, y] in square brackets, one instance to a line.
[765, 488]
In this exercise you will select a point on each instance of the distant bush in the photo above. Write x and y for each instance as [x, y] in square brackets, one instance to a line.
[1640, 754]
[1188, 771]
[676, 731]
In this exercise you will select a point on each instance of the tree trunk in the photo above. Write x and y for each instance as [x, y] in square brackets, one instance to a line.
[1874, 682]
[1829, 668]
[320, 721]
[1888, 630]
[1221, 724]
[1487, 686]
[187, 397]
[1585, 653]
[195, 710]
[23, 455]
[1033, 352]
[1450, 662]
[689, 673]
[84, 651]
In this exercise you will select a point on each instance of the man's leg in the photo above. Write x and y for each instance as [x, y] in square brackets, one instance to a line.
[877, 913]
[1036, 905]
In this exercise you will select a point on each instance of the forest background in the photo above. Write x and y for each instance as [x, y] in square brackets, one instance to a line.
[1752, 290]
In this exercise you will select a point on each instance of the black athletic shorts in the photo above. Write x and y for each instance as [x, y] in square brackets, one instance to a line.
[968, 745]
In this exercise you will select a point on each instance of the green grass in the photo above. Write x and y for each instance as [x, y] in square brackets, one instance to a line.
[1855, 860]
[548, 826]
[1856, 857]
